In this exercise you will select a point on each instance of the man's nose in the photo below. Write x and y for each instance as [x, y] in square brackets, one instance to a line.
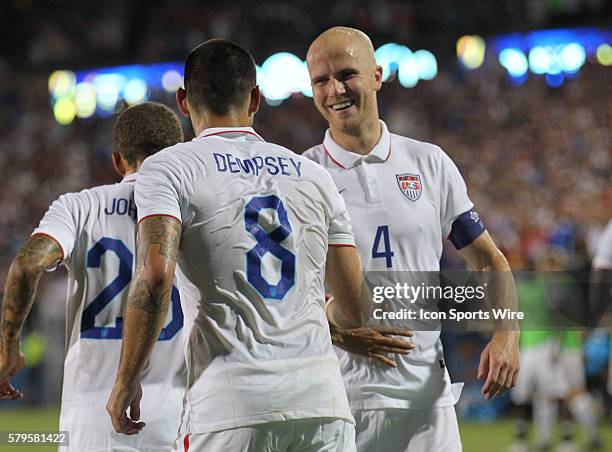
[336, 88]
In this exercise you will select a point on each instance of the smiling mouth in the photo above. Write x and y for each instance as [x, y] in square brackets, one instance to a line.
[342, 105]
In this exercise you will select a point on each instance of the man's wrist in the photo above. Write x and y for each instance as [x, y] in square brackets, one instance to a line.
[507, 334]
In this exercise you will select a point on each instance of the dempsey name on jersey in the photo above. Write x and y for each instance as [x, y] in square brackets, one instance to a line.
[273, 165]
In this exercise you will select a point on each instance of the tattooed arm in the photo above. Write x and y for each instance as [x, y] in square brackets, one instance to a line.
[39, 253]
[148, 301]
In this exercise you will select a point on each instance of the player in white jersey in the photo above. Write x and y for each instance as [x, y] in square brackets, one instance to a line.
[600, 290]
[93, 234]
[250, 223]
[404, 197]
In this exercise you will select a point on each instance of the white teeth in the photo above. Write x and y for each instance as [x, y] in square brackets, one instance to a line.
[342, 105]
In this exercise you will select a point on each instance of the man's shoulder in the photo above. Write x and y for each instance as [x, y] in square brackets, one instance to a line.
[303, 158]
[315, 153]
[413, 146]
[87, 195]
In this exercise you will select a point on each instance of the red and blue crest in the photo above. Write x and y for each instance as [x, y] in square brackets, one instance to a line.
[410, 185]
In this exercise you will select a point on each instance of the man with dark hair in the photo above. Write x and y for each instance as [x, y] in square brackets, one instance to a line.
[92, 233]
[215, 90]
[144, 129]
[253, 226]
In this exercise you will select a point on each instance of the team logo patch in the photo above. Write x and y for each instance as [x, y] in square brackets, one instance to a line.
[410, 185]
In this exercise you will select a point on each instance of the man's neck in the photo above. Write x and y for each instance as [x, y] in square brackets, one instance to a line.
[208, 121]
[360, 142]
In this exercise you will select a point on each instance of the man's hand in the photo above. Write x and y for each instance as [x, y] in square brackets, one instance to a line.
[373, 342]
[499, 363]
[11, 362]
[122, 397]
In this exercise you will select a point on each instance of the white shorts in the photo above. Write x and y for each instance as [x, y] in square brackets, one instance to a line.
[542, 374]
[307, 435]
[573, 364]
[402, 430]
[94, 432]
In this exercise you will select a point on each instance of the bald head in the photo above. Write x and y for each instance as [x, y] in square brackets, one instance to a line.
[345, 79]
[343, 41]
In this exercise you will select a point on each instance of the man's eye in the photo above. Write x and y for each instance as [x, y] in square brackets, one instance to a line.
[346, 76]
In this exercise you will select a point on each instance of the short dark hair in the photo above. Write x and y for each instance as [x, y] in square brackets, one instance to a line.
[219, 74]
[144, 129]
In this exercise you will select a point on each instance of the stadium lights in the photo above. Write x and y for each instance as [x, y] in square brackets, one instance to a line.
[514, 61]
[604, 54]
[556, 54]
[171, 81]
[471, 51]
[282, 75]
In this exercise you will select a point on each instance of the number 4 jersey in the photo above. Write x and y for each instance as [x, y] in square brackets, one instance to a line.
[96, 229]
[403, 198]
[257, 220]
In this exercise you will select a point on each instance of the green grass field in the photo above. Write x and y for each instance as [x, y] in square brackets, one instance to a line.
[477, 437]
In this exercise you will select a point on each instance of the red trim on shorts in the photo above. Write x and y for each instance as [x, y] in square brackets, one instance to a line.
[332, 157]
[160, 215]
[54, 239]
[233, 131]
[342, 245]
[186, 443]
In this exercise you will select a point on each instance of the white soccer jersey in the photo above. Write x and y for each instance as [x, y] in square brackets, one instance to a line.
[402, 199]
[257, 220]
[96, 229]
[603, 256]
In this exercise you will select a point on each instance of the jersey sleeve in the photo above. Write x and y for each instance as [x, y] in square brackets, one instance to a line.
[60, 223]
[158, 188]
[454, 198]
[340, 231]
[603, 256]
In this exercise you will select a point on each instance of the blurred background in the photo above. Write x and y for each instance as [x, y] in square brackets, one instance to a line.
[518, 93]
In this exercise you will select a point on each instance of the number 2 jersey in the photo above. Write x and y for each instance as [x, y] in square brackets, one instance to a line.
[257, 220]
[402, 199]
[96, 229]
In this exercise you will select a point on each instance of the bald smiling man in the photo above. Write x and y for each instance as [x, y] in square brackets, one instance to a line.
[404, 197]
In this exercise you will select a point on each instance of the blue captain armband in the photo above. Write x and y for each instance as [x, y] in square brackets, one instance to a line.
[466, 228]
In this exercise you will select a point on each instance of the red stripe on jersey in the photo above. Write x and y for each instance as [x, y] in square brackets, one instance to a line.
[160, 215]
[234, 131]
[342, 244]
[333, 159]
[186, 443]
[54, 239]
[389, 154]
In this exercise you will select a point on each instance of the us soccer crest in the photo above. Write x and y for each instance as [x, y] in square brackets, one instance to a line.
[410, 185]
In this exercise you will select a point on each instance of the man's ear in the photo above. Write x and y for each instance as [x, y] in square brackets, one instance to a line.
[118, 164]
[181, 101]
[255, 100]
[378, 77]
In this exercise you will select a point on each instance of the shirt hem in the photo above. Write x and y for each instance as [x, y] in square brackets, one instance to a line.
[197, 428]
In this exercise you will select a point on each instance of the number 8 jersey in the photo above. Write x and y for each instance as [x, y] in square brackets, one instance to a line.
[257, 220]
[96, 230]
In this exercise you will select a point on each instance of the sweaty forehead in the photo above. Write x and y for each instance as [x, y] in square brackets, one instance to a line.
[338, 52]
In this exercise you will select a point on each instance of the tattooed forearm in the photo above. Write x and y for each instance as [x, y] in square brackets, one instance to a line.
[38, 254]
[144, 298]
[158, 241]
[162, 231]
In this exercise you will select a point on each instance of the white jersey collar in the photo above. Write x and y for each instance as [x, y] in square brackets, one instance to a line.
[130, 177]
[347, 159]
[243, 133]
